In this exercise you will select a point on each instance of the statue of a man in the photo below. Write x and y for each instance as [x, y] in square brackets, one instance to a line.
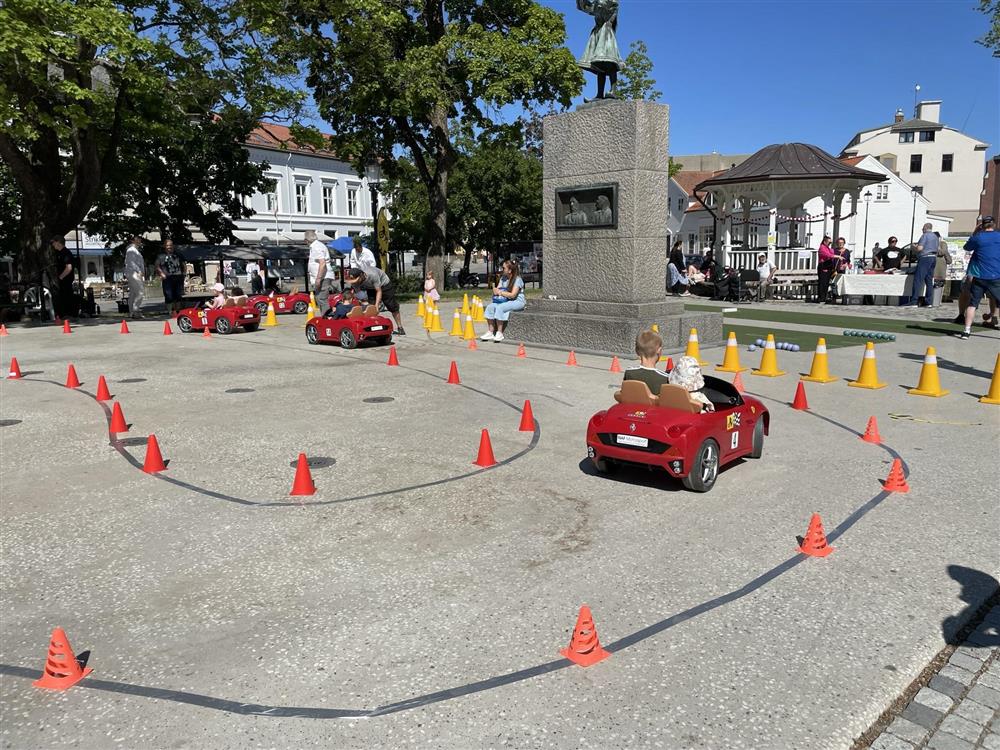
[576, 216]
[601, 54]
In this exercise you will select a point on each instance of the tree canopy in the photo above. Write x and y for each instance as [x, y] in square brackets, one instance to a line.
[635, 80]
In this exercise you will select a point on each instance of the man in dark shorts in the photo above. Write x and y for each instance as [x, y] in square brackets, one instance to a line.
[65, 301]
[170, 266]
[375, 280]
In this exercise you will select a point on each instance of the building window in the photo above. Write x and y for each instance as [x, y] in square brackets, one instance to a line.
[302, 197]
[680, 205]
[329, 200]
[906, 137]
[271, 196]
[352, 201]
[946, 162]
[916, 162]
[881, 192]
[926, 136]
[692, 242]
[888, 161]
[706, 236]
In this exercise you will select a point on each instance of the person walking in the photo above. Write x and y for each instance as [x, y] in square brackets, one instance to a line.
[135, 274]
[170, 267]
[984, 270]
[321, 273]
[375, 280]
[65, 300]
[923, 278]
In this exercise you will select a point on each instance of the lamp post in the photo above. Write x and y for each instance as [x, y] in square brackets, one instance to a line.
[864, 242]
[913, 222]
[373, 172]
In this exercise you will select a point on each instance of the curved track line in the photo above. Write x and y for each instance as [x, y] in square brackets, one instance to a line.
[307, 712]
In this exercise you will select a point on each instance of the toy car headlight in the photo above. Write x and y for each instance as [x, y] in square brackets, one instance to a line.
[597, 419]
[676, 430]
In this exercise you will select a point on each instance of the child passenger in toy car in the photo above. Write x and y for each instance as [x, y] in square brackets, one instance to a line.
[687, 374]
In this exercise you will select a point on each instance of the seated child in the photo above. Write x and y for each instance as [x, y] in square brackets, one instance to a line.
[219, 301]
[649, 346]
[687, 374]
[343, 303]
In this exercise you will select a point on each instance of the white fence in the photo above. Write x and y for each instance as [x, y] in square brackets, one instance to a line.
[785, 259]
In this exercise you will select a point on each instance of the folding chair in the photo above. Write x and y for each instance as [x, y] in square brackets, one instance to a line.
[749, 285]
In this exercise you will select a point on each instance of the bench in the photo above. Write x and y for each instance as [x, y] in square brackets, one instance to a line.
[795, 285]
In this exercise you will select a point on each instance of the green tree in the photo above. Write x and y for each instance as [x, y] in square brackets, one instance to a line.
[635, 81]
[991, 39]
[91, 93]
[392, 75]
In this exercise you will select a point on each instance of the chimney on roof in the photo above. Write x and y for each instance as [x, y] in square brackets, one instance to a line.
[899, 115]
[929, 111]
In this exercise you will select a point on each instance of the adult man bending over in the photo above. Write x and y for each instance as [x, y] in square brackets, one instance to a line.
[649, 347]
[984, 269]
[374, 280]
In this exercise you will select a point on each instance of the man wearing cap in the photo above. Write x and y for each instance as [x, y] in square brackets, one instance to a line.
[766, 270]
[321, 274]
[375, 280]
[923, 278]
[983, 270]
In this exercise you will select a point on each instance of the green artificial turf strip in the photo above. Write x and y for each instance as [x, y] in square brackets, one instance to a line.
[747, 335]
[842, 322]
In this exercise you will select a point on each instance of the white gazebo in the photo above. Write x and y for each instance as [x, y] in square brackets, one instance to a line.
[782, 178]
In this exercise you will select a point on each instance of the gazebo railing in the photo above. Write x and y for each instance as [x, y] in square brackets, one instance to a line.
[785, 258]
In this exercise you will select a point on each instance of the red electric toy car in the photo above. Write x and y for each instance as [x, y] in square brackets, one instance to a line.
[361, 324]
[297, 302]
[671, 432]
[223, 320]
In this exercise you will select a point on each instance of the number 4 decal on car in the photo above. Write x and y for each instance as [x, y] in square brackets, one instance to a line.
[736, 439]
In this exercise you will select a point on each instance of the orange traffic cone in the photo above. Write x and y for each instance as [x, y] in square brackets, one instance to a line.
[453, 374]
[738, 383]
[871, 432]
[768, 360]
[393, 359]
[72, 381]
[615, 365]
[205, 334]
[670, 363]
[62, 670]
[485, 457]
[868, 375]
[15, 370]
[731, 360]
[103, 394]
[896, 481]
[117, 420]
[124, 328]
[571, 359]
[154, 459]
[584, 645]
[799, 402]
[473, 346]
[814, 544]
[527, 418]
[166, 328]
[930, 384]
[303, 484]
[993, 396]
[520, 351]
[66, 328]
[820, 370]
[3, 330]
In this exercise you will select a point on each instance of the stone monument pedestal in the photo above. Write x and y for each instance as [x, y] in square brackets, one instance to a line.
[604, 214]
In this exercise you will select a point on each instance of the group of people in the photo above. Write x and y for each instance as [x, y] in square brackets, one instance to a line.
[709, 280]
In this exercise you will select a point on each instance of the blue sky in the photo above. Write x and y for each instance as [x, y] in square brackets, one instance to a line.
[741, 75]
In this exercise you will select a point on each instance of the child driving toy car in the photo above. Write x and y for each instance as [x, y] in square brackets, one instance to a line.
[687, 374]
[342, 304]
[649, 347]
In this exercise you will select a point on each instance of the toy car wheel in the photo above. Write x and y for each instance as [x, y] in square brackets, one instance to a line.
[184, 323]
[223, 326]
[758, 440]
[347, 338]
[300, 307]
[705, 468]
[251, 327]
[261, 308]
[311, 335]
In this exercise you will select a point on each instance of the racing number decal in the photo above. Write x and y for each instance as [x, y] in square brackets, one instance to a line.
[733, 424]
[735, 441]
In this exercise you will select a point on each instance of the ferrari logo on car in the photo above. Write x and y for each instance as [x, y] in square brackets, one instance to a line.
[631, 427]
[733, 421]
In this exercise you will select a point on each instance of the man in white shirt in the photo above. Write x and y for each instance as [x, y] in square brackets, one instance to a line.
[363, 259]
[321, 273]
[135, 274]
[766, 270]
[255, 277]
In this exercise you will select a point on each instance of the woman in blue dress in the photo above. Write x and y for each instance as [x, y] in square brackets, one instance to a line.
[508, 297]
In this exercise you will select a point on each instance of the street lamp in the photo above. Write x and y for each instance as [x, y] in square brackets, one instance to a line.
[373, 172]
[864, 243]
[913, 221]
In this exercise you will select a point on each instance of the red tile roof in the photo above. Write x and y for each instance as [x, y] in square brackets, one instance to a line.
[279, 137]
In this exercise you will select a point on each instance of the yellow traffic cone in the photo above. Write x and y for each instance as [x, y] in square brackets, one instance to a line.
[819, 372]
[470, 331]
[310, 312]
[271, 320]
[480, 314]
[868, 375]
[731, 361]
[421, 310]
[312, 300]
[656, 329]
[465, 306]
[769, 360]
[429, 315]
[456, 324]
[693, 349]
[993, 397]
[930, 384]
[436, 323]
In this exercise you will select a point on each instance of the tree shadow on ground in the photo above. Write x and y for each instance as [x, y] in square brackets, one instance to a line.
[981, 592]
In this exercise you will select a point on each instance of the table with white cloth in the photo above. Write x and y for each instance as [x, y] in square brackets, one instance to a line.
[874, 284]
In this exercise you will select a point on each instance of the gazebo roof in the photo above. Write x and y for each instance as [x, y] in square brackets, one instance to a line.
[787, 162]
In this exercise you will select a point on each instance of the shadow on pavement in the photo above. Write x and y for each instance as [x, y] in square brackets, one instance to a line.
[979, 591]
[946, 364]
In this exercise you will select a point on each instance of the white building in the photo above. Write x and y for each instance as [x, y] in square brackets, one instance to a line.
[946, 164]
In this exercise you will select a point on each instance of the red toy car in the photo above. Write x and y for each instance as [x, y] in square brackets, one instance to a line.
[296, 303]
[361, 324]
[224, 320]
[671, 432]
